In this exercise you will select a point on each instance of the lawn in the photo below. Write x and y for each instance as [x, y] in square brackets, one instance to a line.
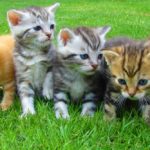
[42, 131]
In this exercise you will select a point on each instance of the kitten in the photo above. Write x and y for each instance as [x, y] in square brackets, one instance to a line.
[128, 62]
[7, 77]
[76, 69]
[33, 30]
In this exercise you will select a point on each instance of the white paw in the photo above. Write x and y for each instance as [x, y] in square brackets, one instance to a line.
[48, 94]
[63, 115]
[61, 110]
[27, 112]
[88, 109]
[89, 113]
[27, 107]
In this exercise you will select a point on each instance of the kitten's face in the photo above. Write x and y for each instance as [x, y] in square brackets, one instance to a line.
[34, 25]
[81, 48]
[129, 67]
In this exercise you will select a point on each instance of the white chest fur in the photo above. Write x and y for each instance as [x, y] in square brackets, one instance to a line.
[77, 88]
[38, 73]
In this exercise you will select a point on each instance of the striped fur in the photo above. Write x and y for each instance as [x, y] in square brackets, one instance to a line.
[33, 29]
[76, 71]
[128, 63]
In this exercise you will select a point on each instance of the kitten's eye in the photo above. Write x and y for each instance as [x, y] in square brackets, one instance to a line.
[122, 81]
[37, 28]
[100, 56]
[84, 56]
[142, 82]
[52, 26]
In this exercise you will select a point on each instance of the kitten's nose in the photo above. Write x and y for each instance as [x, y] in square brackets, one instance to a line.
[94, 66]
[48, 35]
[131, 92]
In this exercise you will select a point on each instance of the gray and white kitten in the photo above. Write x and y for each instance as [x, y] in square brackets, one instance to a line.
[33, 30]
[76, 72]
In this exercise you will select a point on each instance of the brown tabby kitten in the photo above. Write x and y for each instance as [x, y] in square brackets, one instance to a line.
[129, 63]
[7, 79]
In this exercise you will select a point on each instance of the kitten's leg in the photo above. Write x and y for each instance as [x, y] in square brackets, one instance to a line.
[48, 86]
[89, 105]
[26, 94]
[60, 106]
[109, 109]
[146, 113]
[9, 91]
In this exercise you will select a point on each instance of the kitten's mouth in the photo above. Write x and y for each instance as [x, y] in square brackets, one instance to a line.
[91, 72]
[133, 98]
[48, 39]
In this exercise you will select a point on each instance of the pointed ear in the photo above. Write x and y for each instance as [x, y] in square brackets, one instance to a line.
[53, 8]
[104, 30]
[65, 36]
[15, 17]
[110, 56]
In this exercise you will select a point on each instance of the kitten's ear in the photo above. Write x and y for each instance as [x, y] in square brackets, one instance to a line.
[110, 56]
[104, 30]
[113, 54]
[65, 35]
[15, 17]
[53, 8]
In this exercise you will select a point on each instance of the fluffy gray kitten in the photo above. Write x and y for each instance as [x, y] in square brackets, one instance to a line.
[76, 69]
[33, 30]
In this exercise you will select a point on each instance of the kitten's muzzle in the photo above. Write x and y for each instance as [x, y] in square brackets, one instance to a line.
[131, 92]
[48, 35]
[94, 66]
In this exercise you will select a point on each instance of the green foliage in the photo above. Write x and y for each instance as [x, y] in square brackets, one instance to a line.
[43, 131]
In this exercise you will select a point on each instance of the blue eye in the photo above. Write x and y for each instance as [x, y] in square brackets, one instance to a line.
[37, 28]
[122, 81]
[84, 56]
[100, 56]
[142, 82]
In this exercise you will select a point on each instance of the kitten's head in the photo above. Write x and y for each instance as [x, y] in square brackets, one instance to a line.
[33, 25]
[129, 68]
[80, 48]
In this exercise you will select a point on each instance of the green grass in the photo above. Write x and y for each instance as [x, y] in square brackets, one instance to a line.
[43, 131]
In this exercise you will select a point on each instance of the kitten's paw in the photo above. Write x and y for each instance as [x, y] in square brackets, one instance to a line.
[4, 106]
[110, 112]
[89, 113]
[146, 114]
[27, 113]
[147, 120]
[63, 115]
[61, 110]
[88, 109]
[108, 118]
[48, 94]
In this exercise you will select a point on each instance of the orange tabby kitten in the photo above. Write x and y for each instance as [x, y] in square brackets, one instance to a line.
[7, 78]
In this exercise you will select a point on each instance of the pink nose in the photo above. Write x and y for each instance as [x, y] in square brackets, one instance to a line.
[94, 66]
[131, 91]
[48, 35]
